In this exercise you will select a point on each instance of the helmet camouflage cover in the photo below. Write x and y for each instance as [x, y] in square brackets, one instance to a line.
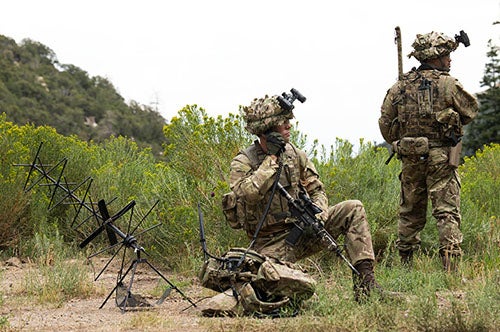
[263, 114]
[432, 45]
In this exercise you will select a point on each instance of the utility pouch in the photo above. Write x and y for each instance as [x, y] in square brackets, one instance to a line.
[232, 210]
[413, 146]
[454, 155]
[394, 129]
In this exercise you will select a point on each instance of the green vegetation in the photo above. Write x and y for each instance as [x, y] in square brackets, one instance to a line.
[59, 272]
[485, 129]
[197, 150]
[197, 173]
[35, 88]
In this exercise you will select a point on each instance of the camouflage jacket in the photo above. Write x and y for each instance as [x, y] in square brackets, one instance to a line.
[252, 176]
[411, 106]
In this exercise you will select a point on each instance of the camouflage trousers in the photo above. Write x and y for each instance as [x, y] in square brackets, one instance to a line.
[423, 179]
[347, 218]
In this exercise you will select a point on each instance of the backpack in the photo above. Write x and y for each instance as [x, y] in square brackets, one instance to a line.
[254, 285]
[232, 206]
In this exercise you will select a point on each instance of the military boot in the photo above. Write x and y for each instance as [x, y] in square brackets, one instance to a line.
[364, 283]
[406, 257]
[449, 261]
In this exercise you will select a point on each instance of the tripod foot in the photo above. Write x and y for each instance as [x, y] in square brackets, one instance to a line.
[124, 298]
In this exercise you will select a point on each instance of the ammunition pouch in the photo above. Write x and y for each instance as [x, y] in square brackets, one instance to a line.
[452, 125]
[412, 146]
[394, 130]
[233, 209]
[455, 154]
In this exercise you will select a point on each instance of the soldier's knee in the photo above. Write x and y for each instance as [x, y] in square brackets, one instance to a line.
[354, 204]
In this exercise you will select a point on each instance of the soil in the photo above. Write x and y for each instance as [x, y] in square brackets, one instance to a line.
[26, 313]
[21, 312]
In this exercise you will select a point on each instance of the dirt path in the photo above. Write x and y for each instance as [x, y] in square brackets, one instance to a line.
[24, 313]
[21, 312]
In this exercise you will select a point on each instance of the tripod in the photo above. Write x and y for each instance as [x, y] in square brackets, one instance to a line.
[128, 241]
[133, 267]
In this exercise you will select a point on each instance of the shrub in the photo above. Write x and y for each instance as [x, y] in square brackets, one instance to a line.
[196, 172]
[480, 178]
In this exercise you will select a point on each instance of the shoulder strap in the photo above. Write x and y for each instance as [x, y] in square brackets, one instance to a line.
[251, 153]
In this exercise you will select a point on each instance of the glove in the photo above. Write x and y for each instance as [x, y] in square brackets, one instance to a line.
[275, 143]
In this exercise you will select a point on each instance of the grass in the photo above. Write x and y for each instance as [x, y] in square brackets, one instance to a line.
[433, 300]
[58, 283]
[4, 320]
[467, 301]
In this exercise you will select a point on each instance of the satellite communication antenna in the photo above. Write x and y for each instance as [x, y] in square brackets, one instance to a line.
[63, 192]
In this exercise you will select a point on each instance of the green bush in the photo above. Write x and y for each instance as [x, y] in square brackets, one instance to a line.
[480, 178]
[195, 173]
[364, 176]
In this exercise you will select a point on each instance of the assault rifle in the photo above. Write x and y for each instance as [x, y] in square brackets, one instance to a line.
[304, 210]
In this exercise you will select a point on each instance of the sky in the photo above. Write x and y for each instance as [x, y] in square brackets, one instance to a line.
[220, 54]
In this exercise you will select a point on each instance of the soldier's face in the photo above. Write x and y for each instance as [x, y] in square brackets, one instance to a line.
[442, 63]
[284, 130]
[446, 61]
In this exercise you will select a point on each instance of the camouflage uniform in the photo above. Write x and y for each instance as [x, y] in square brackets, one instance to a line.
[252, 176]
[428, 105]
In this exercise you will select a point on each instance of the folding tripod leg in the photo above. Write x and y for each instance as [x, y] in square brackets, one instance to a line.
[171, 284]
[129, 289]
[132, 265]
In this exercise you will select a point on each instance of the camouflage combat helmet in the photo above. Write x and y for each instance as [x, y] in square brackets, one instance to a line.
[263, 114]
[432, 45]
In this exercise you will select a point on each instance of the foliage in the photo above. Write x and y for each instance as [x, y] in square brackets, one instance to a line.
[199, 154]
[196, 172]
[480, 176]
[117, 170]
[35, 88]
[485, 129]
[61, 278]
[364, 176]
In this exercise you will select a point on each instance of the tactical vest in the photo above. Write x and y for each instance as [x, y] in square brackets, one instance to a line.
[420, 100]
[247, 215]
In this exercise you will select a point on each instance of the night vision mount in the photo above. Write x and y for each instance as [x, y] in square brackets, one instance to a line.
[286, 99]
[462, 38]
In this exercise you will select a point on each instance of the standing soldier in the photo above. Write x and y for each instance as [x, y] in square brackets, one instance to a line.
[422, 117]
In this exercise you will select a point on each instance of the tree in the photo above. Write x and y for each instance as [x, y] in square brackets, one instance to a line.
[485, 129]
[35, 88]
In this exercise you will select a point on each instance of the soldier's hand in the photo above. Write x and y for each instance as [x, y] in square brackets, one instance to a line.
[275, 143]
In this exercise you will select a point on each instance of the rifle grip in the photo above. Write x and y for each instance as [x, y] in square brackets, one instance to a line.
[294, 235]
